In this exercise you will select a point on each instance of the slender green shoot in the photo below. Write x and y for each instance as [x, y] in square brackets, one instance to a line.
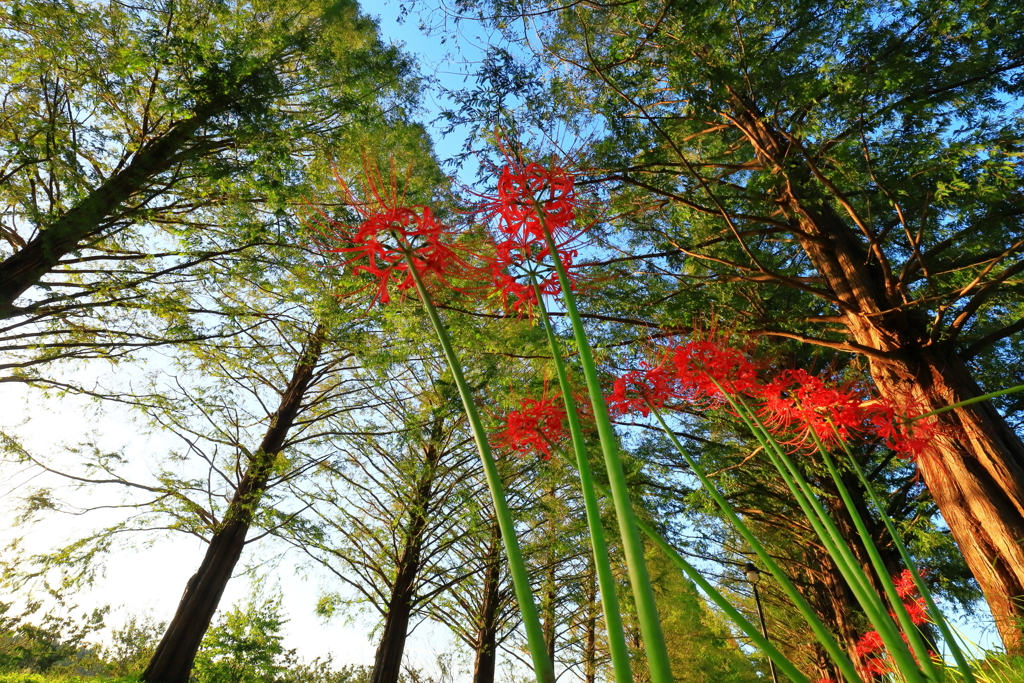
[821, 632]
[542, 664]
[744, 624]
[633, 547]
[606, 581]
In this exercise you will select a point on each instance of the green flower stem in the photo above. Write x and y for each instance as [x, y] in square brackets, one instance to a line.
[833, 542]
[910, 629]
[632, 545]
[751, 631]
[821, 632]
[543, 666]
[976, 399]
[606, 582]
[815, 514]
[908, 562]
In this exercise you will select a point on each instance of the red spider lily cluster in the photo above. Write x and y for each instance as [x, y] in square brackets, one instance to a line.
[641, 390]
[530, 199]
[394, 237]
[869, 647]
[534, 427]
[796, 406]
[391, 239]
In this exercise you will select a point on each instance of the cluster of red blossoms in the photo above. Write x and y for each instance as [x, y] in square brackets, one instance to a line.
[534, 427]
[869, 648]
[531, 199]
[389, 237]
[794, 405]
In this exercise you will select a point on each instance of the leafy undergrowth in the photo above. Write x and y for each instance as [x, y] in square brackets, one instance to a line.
[60, 678]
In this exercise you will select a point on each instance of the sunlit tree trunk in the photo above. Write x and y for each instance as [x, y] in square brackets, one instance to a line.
[387, 665]
[975, 468]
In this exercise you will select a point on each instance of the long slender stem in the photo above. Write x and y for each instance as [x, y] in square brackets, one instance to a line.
[744, 624]
[543, 666]
[633, 548]
[832, 540]
[910, 630]
[606, 582]
[976, 399]
[821, 632]
[908, 561]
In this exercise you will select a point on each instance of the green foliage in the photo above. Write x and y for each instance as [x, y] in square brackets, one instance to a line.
[55, 642]
[244, 646]
[132, 645]
[700, 645]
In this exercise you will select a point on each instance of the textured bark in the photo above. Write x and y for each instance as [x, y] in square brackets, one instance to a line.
[549, 598]
[975, 470]
[387, 665]
[486, 645]
[172, 661]
[590, 639]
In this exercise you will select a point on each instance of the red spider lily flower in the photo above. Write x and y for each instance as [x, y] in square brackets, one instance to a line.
[390, 236]
[917, 609]
[902, 431]
[904, 583]
[704, 365]
[527, 193]
[530, 199]
[516, 261]
[869, 643]
[876, 666]
[914, 604]
[803, 404]
[638, 390]
[534, 427]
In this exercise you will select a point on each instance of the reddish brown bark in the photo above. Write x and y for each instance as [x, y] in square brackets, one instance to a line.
[174, 656]
[975, 470]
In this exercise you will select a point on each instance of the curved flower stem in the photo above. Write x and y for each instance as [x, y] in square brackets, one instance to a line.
[632, 545]
[832, 540]
[821, 632]
[976, 399]
[751, 631]
[908, 562]
[910, 629]
[543, 666]
[609, 600]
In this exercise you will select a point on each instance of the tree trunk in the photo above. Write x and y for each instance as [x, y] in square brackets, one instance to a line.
[172, 661]
[90, 216]
[387, 665]
[487, 634]
[550, 597]
[975, 469]
[590, 638]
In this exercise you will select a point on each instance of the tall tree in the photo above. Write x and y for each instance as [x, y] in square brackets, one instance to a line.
[846, 176]
[252, 411]
[142, 142]
[390, 508]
